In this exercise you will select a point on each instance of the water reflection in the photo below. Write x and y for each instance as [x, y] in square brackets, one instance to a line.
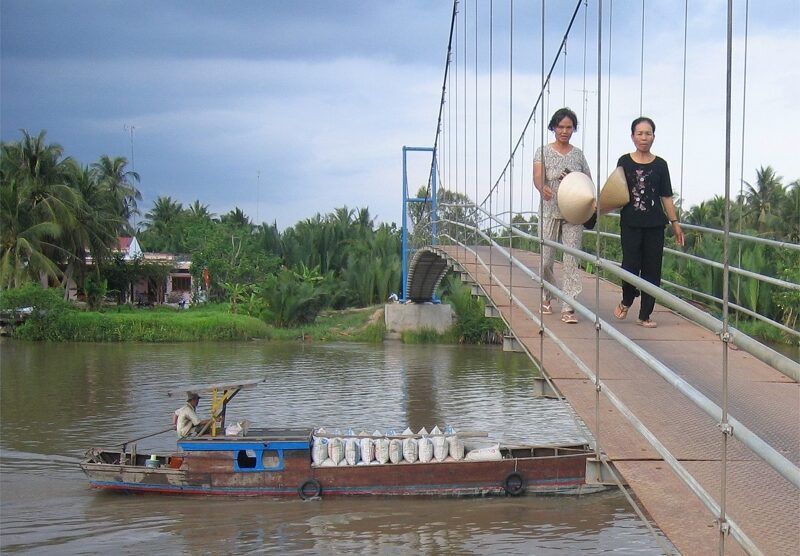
[58, 400]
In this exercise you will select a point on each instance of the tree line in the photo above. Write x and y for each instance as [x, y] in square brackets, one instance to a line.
[61, 221]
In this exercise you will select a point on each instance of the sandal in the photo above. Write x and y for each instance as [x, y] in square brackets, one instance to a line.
[621, 311]
[646, 323]
[569, 317]
[547, 309]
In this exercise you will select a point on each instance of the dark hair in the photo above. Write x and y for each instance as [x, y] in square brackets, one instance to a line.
[642, 119]
[560, 114]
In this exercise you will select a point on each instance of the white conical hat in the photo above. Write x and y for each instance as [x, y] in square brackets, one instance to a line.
[576, 197]
[615, 192]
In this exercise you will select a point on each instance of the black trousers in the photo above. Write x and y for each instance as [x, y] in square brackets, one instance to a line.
[642, 253]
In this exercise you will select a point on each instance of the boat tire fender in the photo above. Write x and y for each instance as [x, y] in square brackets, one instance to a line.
[514, 484]
[310, 488]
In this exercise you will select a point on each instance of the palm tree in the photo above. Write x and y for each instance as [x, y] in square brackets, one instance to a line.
[238, 219]
[763, 197]
[200, 212]
[162, 225]
[111, 173]
[96, 227]
[790, 212]
[23, 238]
[37, 203]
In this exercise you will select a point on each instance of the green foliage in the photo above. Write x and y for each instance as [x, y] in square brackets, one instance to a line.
[788, 301]
[33, 295]
[95, 289]
[427, 336]
[145, 326]
[49, 310]
[236, 293]
[290, 301]
[472, 326]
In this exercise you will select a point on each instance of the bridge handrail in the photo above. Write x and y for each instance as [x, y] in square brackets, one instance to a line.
[707, 499]
[776, 460]
[733, 269]
[711, 323]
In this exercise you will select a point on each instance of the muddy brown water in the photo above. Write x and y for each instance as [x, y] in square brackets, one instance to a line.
[57, 400]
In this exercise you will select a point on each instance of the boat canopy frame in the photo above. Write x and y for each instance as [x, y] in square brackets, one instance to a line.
[221, 395]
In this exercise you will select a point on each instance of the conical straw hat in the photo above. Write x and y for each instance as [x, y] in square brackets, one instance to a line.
[615, 192]
[576, 197]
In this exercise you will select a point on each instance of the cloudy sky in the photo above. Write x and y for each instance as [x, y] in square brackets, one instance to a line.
[287, 109]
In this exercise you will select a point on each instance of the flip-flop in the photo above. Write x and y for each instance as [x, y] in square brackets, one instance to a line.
[647, 323]
[569, 317]
[547, 309]
[621, 311]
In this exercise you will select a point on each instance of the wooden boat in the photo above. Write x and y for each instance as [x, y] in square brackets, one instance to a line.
[279, 463]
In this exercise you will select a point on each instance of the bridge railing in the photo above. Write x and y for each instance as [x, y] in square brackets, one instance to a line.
[736, 429]
[497, 227]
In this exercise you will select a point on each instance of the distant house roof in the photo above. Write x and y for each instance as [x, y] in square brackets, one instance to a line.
[129, 247]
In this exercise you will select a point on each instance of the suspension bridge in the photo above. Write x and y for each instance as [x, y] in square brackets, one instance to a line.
[697, 422]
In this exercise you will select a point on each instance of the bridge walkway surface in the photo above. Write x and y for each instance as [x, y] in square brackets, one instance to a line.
[762, 502]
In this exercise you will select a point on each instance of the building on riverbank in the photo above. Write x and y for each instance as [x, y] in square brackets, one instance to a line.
[174, 287]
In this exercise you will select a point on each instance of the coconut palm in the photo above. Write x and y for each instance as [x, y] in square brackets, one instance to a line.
[96, 227]
[238, 219]
[24, 239]
[200, 212]
[162, 225]
[112, 174]
[37, 203]
[763, 199]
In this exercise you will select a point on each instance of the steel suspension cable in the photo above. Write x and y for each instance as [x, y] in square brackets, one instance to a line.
[741, 167]
[585, 92]
[511, 155]
[641, 67]
[541, 93]
[444, 89]
[725, 427]
[541, 209]
[491, 131]
[597, 386]
[475, 199]
[608, 101]
[683, 94]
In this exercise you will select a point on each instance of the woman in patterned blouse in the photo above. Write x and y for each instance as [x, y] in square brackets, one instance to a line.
[550, 164]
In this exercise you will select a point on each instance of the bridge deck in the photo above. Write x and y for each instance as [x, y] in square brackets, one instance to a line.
[764, 504]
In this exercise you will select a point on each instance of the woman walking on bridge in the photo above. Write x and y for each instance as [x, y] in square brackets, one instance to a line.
[642, 220]
[550, 164]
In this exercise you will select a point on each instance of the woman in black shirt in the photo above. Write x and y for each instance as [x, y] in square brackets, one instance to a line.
[643, 219]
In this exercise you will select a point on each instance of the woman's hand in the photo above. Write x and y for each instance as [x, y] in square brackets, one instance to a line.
[547, 193]
[678, 231]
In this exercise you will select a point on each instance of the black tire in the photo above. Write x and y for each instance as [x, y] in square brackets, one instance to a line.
[514, 484]
[309, 489]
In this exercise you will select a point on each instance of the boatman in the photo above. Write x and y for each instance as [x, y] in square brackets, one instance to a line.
[187, 419]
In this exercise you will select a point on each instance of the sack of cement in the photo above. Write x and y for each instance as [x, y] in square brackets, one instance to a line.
[456, 447]
[381, 450]
[319, 450]
[425, 449]
[395, 450]
[440, 447]
[336, 450]
[410, 449]
[367, 449]
[352, 451]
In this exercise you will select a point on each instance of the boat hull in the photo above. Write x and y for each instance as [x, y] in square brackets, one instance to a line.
[285, 469]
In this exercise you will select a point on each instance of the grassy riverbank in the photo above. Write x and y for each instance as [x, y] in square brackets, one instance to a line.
[206, 322]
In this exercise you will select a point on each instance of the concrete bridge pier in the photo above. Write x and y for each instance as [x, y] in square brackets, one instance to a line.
[400, 317]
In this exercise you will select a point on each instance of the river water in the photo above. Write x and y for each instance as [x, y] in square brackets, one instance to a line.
[57, 400]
